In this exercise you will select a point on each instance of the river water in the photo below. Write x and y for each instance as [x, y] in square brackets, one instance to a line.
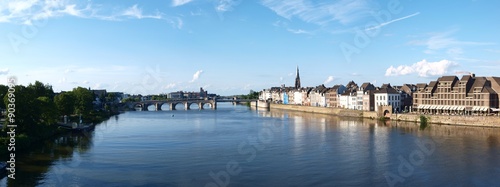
[237, 146]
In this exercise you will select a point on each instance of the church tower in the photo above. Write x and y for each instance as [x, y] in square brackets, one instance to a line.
[297, 79]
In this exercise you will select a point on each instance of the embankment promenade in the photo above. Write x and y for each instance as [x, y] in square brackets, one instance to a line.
[477, 121]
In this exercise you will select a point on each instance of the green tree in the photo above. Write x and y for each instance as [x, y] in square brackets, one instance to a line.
[47, 109]
[3, 92]
[42, 90]
[26, 112]
[83, 100]
[111, 97]
[65, 103]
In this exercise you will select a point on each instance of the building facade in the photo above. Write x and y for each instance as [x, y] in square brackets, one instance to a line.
[450, 95]
[387, 96]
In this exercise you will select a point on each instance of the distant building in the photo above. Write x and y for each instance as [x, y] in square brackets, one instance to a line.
[297, 79]
[386, 95]
[450, 95]
[190, 95]
[360, 95]
[99, 93]
[348, 99]
[318, 96]
[406, 92]
[333, 95]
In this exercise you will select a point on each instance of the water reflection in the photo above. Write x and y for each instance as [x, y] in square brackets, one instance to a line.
[309, 150]
[33, 167]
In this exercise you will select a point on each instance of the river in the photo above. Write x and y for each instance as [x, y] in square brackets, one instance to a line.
[238, 146]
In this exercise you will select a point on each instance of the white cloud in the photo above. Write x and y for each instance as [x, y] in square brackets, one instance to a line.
[63, 80]
[392, 21]
[101, 86]
[71, 10]
[4, 71]
[298, 31]
[247, 87]
[136, 12]
[493, 50]
[196, 76]
[170, 86]
[86, 82]
[28, 11]
[329, 79]
[226, 5]
[422, 68]
[176, 22]
[444, 41]
[180, 2]
[343, 11]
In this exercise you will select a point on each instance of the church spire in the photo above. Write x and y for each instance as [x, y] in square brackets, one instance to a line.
[297, 79]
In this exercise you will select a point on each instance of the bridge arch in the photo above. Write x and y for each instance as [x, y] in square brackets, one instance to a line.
[165, 106]
[206, 105]
[177, 106]
[193, 105]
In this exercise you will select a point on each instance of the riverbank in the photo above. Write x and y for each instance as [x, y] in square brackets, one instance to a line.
[25, 142]
[476, 121]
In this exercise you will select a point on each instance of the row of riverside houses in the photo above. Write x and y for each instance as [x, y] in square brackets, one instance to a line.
[448, 95]
[364, 97]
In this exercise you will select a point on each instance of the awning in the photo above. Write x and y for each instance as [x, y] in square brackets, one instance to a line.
[427, 106]
[461, 108]
[454, 108]
[447, 107]
[485, 109]
[433, 107]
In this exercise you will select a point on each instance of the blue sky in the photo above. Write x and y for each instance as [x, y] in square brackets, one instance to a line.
[232, 46]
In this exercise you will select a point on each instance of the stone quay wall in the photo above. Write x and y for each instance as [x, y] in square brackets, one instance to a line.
[478, 121]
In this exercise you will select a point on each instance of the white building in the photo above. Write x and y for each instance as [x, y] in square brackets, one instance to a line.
[361, 92]
[387, 95]
[297, 97]
[348, 100]
[317, 96]
[265, 94]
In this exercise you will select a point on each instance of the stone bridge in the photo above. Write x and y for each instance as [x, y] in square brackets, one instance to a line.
[201, 103]
[143, 105]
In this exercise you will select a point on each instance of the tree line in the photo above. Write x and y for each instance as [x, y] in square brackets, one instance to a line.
[37, 106]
